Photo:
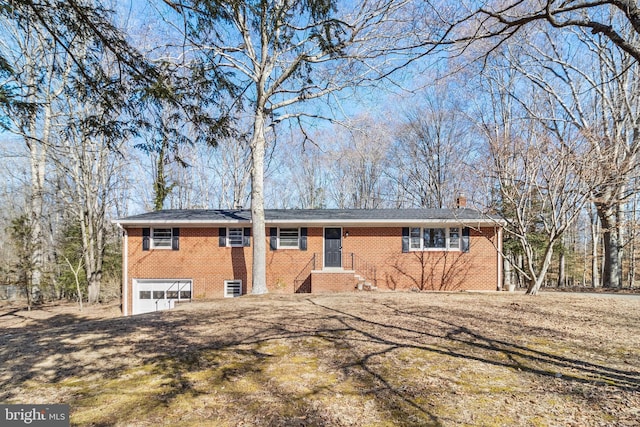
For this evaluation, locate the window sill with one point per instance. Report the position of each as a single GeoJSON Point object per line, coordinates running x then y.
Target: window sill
{"type": "Point", "coordinates": [435, 250]}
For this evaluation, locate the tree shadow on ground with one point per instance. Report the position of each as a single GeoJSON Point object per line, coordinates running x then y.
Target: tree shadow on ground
{"type": "Point", "coordinates": [480, 347]}
{"type": "Point", "coordinates": [259, 354]}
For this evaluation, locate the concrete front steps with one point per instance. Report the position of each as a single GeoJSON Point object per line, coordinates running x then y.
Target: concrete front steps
{"type": "Point", "coordinates": [363, 285]}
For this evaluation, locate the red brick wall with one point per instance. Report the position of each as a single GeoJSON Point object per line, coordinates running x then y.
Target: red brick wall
{"type": "Point", "coordinates": [199, 259]}
{"type": "Point", "coordinates": [208, 265]}
{"type": "Point", "coordinates": [332, 282]}
{"type": "Point", "coordinates": [426, 270]}
{"type": "Point", "coordinates": [284, 265]}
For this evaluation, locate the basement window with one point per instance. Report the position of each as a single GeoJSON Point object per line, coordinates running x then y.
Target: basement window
{"type": "Point", "coordinates": [232, 288]}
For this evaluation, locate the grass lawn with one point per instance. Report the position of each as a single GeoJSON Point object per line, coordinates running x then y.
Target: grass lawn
{"type": "Point", "coordinates": [358, 359]}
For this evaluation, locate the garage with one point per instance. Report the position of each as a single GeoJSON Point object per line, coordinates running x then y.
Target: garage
{"type": "Point", "coordinates": [159, 294]}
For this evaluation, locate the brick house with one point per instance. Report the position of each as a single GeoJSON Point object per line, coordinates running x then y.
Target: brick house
{"type": "Point", "coordinates": [176, 255]}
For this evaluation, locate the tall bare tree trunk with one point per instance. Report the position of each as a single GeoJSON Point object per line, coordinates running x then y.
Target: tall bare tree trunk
{"type": "Point", "coordinates": [508, 274]}
{"type": "Point", "coordinates": [37, 155]}
{"type": "Point", "coordinates": [595, 240]}
{"type": "Point", "coordinates": [93, 244]}
{"type": "Point", "coordinates": [632, 242]}
{"type": "Point", "coordinates": [562, 280]}
{"type": "Point", "coordinates": [259, 271]}
{"type": "Point", "coordinates": [38, 158]}
{"type": "Point", "coordinates": [621, 235]}
{"type": "Point", "coordinates": [611, 274]}
{"type": "Point", "coordinates": [538, 279]}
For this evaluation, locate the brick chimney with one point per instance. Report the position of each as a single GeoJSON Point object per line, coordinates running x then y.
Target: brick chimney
{"type": "Point", "coordinates": [461, 201]}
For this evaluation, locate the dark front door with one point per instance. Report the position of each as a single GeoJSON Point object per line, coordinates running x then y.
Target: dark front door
{"type": "Point", "coordinates": [333, 247]}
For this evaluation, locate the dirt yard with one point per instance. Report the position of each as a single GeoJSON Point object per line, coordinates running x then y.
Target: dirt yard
{"type": "Point", "coordinates": [361, 359]}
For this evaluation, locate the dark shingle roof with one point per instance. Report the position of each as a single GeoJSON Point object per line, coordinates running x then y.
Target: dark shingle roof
{"type": "Point", "coordinates": [371, 214]}
{"type": "Point", "coordinates": [191, 215]}
{"type": "Point", "coordinates": [302, 216]}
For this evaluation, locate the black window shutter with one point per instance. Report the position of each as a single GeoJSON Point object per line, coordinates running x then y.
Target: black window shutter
{"type": "Point", "coordinates": [175, 239]}
{"type": "Point", "coordinates": [273, 238]}
{"type": "Point", "coordinates": [246, 234]}
{"type": "Point", "coordinates": [222, 236]}
{"type": "Point", "coordinates": [303, 239]}
{"type": "Point", "coordinates": [405, 239]}
{"type": "Point", "coordinates": [146, 238]}
{"type": "Point", "coordinates": [465, 244]}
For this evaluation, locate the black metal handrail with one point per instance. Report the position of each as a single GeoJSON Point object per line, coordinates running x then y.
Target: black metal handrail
{"type": "Point", "coordinates": [361, 267]}
{"type": "Point", "coordinates": [350, 261]}
{"type": "Point", "coordinates": [304, 274]}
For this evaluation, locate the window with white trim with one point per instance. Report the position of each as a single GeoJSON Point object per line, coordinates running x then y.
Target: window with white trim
{"type": "Point", "coordinates": [416, 242]}
{"type": "Point", "coordinates": [454, 237]}
{"type": "Point", "coordinates": [434, 238]}
{"type": "Point", "coordinates": [288, 238]}
{"type": "Point", "coordinates": [235, 236]}
{"type": "Point", "coordinates": [161, 238]}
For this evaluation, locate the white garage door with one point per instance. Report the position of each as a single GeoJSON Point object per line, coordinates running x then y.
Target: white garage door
{"type": "Point", "coordinates": [154, 295]}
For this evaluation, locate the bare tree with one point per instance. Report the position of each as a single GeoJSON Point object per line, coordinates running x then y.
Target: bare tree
{"type": "Point", "coordinates": [36, 79]}
{"type": "Point", "coordinates": [214, 176]}
{"type": "Point", "coordinates": [633, 233]}
{"type": "Point", "coordinates": [312, 180]}
{"type": "Point", "coordinates": [307, 171]}
{"type": "Point", "coordinates": [608, 31]}
{"type": "Point", "coordinates": [429, 153]}
{"type": "Point", "coordinates": [497, 21]}
{"type": "Point", "coordinates": [595, 232]}
{"type": "Point", "coordinates": [536, 171]}
{"type": "Point", "coordinates": [595, 90]}
{"type": "Point", "coordinates": [91, 169]}
{"type": "Point", "coordinates": [234, 171]}
{"type": "Point", "coordinates": [358, 162]}
{"type": "Point", "coordinates": [76, 276]}
{"type": "Point", "coordinates": [228, 170]}
{"type": "Point", "coordinates": [542, 195]}
{"type": "Point", "coordinates": [88, 162]}
{"type": "Point", "coordinates": [279, 55]}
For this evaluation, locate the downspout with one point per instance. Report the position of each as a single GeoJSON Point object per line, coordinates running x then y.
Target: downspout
{"type": "Point", "coordinates": [125, 270]}
{"type": "Point", "coordinates": [500, 260]}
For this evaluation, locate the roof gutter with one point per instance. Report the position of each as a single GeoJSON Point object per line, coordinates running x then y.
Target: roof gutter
{"type": "Point", "coordinates": [319, 222]}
